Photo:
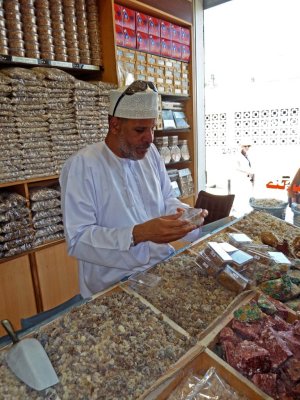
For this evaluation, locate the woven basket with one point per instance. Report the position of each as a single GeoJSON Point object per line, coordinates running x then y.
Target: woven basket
{"type": "Point", "coordinates": [278, 212]}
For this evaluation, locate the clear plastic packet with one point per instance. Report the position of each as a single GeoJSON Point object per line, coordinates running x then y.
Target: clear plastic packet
{"type": "Point", "coordinates": [48, 213]}
{"type": "Point", "coordinates": [232, 280]}
{"type": "Point", "coordinates": [41, 223]}
{"type": "Point", "coordinates": [10, 200]}
{"type": "Point", "coordinates": [145, 279]}
{"type": "Point", "coordinates": [53, 74]}
{"type": "Point", "coordinates": [16, 234]}
{"type": "Point", "coordinates": [210, 387]}
{"type": "Point", "coordinates": [260, 256]}
{"type": "Point", "coordinates": [17, 250]}
{"type": "Point", "coordinates": [14, 225]}
{"type": "Point", "coordinates": [42, 205]}
{"type": "Point", "coordinates": [44, 193]}
{"type": "Point", "coordinates": [207, 265]}
{"type": "Point", "coordinates": [279, 258]}
{"type": "Point", "coordinates": [48, 230]}
{"type": "Point", "coordinates": [49, 238]}
{"type": "Point", "coordinates": [12, 244]}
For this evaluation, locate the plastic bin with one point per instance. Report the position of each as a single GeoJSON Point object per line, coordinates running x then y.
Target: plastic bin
{"type": "Point", "coordinates": [296, 210]}
{"type": "Point", "coordinates": [278, 211]}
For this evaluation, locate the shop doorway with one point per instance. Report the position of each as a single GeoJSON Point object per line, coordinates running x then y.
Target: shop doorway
{"type": "Point", "coordinates": [252, 93]}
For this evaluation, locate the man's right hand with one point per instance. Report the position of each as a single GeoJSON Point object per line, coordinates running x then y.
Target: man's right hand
{"type": "Point", "coordinates": [164, 229]}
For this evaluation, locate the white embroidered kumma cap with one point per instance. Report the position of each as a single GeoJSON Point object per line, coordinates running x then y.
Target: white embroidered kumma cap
{"type": "Point", "coordinates": [139, 105]}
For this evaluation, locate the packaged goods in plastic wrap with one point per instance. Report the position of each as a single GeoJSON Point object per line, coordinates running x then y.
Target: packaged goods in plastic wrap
{"type": "Point", "coordinates": [45, 193]}
{"type": "Point", "coordinates": [211, 386]}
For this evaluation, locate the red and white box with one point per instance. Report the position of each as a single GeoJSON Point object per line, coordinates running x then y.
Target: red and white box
{"type": "Point", "coordinates": [185, 36]}
{"type": "Point", "coordinates": [176, 50]}
{"type": "Point", "coordinates": [166, 47]}
{"type": "Point", "coordinates": [154, 45]}
{"type": "Point", "coordinates": [176, 33]}
{"type": "Point", "coordinates": [142, 24]}
{"type": "Point", "coordinates": [165, 30]}
{"type": "Point", "coordinates": [118, 14]}
{"type": "Point", "coordinates": [142, 41]}
{"type": "Point", "coordinates": [128, 18]}
{"type": "Point", "coordinates": [119, 35]}
{"type": "Point", "coordinates": [129, 38]}
{"type": "Point", "coordinates": [154, 26]}
{"type": "Point", "coordinates": [185, 53]}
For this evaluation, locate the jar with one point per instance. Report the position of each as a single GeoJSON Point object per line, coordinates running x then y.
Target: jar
{"type": "Point", "coordinates": [163, 149]}
{"type": "Point", "coordinates": [175, 150]}
{"type": "Point", "coordinates": [184, 150]}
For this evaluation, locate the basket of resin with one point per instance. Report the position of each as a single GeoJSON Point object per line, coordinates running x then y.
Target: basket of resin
{"type": "Point", "coordinates": [271, 206]}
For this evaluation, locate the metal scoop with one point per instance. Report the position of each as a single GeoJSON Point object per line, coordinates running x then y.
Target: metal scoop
{"type": "Point", "coordinates": [29, 361]}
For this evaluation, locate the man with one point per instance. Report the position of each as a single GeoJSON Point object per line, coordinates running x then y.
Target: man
{"type": "Point", "coordinates": [117, 202]}
{"type": "Point", "coordinates": [242, 180]}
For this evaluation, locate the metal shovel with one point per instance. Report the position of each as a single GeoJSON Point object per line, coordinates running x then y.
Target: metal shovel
{"type": "Point", "coordinates": [29, 361]}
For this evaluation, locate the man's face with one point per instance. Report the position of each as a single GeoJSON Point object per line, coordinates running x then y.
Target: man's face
{"type": "Point", "coordinates": [133, 137]}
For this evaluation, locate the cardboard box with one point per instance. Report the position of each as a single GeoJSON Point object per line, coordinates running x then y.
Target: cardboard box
{"type": "Point", "coordinates": [140, 68]}
{"type": "Point", "coordinates": [176, 50]}
{"type": "Point", "coordinates": [176, 33]}
{"type": "Point", "coordinates": [129, 38]}
{"type": "Point", "coordinates": [142, 41]}
{"type": "Point", "coordinates": [119, 35]}
{"type": "Point", "coordinates": [118, 14]}
{"type": "Point", "coordinates": [141, 58]}
{"type": "Point", "coordinates": [154, 26]}
{"type": "Point", "coordinates": [142, 23]}
{"type": "Point", "coordinates": [166, 48]}
{"type": "Point", "coordinates": [151, 59]}
{"type": "Point", "coordinates": [161, 62]}
{"type": "Point", "coordinates": [128, 18]}
{"type": "Point", "coordinates": [165, 30]}
{"type": "Point", "coordinates": [154, 45]}
{"type": "Point", "coordinates": [120, 52]}
{"type": "Point", "coordinates": [185, 36]}
{"type": "Point", "coordinates": [185, 53]}
{"type": "Point", "coordinates": [184, 67]}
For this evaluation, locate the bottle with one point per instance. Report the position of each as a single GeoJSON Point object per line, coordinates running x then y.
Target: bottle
{"type": "Point", "coordinates": [184, 149]}
{"type": "Point", "coordinates": [175, 150]}
{"type": "Point", "coordinates": [162, 146]}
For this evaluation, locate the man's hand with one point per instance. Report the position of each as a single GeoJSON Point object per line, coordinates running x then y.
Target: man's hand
{"type": "Point", "coordinates": [163, 229]}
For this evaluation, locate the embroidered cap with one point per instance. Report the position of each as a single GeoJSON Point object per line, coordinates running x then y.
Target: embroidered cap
{"type": "Point", "coordinates": [136, 101]}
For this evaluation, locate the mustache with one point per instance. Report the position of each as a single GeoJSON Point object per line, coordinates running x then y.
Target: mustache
{"type": "Point", "coordinates": [144, 147]}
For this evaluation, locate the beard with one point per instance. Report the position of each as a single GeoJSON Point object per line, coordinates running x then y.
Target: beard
{"type": "Point", "coordinates": [132, 152]}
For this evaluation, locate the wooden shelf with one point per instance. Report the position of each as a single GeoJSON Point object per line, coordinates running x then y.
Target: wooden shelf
{"type": "Point", "coordinates": [31, 180]}
{"type": "Point", "coordinates": [47, 63]}
{"type": "Point", "coordinates": [33, 250]}
{"type": "Point", "coordinates": [165, 131]}
{"type": "Point", "coordinates": [178, 163]}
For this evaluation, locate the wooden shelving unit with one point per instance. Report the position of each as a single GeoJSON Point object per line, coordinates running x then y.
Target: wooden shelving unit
{"type": "Point", "coordinates": [46, 276]}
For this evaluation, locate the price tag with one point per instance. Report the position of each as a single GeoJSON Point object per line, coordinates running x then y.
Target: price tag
{"type": "Point", "coordinates": [42, 61]}
{"type": "Point", "coordinates": [4, 57]}
{"type": "Point", "coordinates": [78, 66]}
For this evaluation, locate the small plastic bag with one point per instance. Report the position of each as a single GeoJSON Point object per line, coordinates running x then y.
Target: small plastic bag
{"type": "Point", "coordinates": [210, 387]}
{"type": "Point", "coordinates": [193, 215]}
{"type": "Point", "coordinates": [145, 279]}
